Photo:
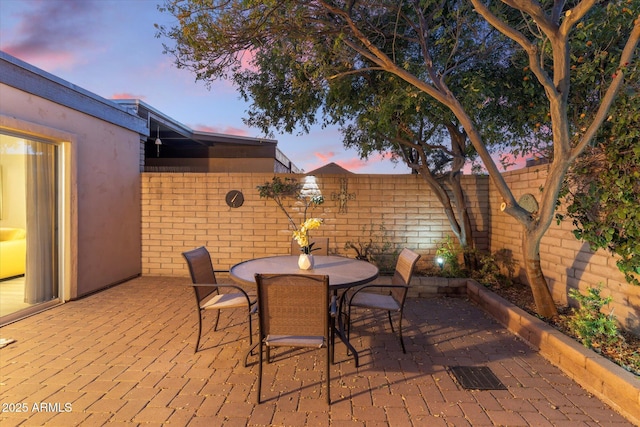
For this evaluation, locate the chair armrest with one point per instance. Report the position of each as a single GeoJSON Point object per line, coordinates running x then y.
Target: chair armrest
{"type": "Point", "coordinates": [226, 285]}
{"type": "Point", "coordinates": [378, 286]}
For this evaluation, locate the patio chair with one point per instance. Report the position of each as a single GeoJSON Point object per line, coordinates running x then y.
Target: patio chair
{"type": "Point", "coordinates": [207, 291]}
{"type": "Point", "coordinates": [390, 297]}
{"type": "Point", "coordinates": [294, 311]}
{"type": "Point", "coordinates": [319, 243]}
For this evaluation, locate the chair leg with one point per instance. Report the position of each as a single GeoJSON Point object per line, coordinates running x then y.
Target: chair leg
{"type": "Point", "coordinates": [347, 322]}
{"type": "Point", "coordinates": [390, 321]}
{"type": "Point", "coordinates": [332, 339]}
{"type": "Point", "coordinates": [199, 331]}
{"type": "Point", "coordinates": [259, 371]}
{"type": "Point", "coordinates": [328, 375]}
{"type": "Point", "coordinates": [215, 325]}
{"type": "Point", "coordinates": [249, 353]}
{"type": "Point", "coordinates": [404, 350]}
{"type": "Point", "coordinates": [250, 328]}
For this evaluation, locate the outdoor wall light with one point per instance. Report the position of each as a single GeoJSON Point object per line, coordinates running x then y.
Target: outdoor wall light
{"type": "Point", "coordinates": [158, 143]}
{"type": "Point", "coordinates": [440, 262]}
{"type": "Point", "coordinates": [310, 187]}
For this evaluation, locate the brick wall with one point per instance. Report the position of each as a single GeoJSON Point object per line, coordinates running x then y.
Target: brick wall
{"type": "Point", "coordinates": [566, 262]}
{"type": "Point", "coordinates": [181, 211]}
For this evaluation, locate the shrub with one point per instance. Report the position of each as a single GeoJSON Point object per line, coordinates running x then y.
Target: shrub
{"type": "Point", "coordinates": [375, 248]}
{"type": "Point", "coordinates": [588, 322]}
{"type": "Point", "coordinates": [450, 253]}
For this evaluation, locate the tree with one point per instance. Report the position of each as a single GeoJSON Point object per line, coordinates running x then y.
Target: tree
{"type": "Point", "coordinates": [211, 40]}
{"type": "Point", "coordinates": [380, 112]}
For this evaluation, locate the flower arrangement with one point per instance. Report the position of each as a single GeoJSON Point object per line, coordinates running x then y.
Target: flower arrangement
{"type": "Point", "coordinates": [301, 235]}
{"type": "Point", "coordinates": [278, 190]}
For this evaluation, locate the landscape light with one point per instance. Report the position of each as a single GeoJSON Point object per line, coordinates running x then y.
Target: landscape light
{"type": "Point", "coordinates": [440, 262]}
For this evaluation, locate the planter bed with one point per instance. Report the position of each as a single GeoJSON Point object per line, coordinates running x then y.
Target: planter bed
{"type": "Point", "coordinates": [609, 382]}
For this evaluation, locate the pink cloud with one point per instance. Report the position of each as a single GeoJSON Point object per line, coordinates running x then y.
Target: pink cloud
{"type": "Point", "coordinates": [512, 163]}
{"type": "Point", "coordinates": [126, 95]}
{"type": "Point", "coordinates": [325, 157]}
{"type": "Point", "coordinates": [47, 61]}
{"type": "Point", "coordinates": [357, 163]}
{"type": "Point", "coordinates": [353, 164]}
{"type": "Point", "coordinates": [51, 33]}
{"type": "Point", "coordinates": [229, 130]}
{"type": "Point", "coordinates": [246, 59]}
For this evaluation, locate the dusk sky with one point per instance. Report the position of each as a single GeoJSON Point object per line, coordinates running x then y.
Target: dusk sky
{"type": "Point", "coordinates": [109, 47]}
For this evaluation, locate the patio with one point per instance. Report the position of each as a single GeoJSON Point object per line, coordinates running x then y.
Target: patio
{"type": "Point", "coordinates": [125, 356]}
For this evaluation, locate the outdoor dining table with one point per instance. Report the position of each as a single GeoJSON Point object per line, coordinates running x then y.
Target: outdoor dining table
{"type": "Point", "coordinates": [344, 273]}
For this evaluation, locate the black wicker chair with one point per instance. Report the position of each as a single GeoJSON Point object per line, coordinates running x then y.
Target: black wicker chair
{"type": "Point", "coordinates": [389, 297]}
{"type": "Point", "coordinates": [294, 311]}
{"type": "Point", "coordinates": [207, 291]}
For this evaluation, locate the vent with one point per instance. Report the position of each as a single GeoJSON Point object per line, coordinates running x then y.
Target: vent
{"type": "Point", "coordinates": [476, 378]}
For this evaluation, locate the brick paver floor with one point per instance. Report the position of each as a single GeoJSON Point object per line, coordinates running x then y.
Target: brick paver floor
{"type": "Point", "coordinates": [125, 356]}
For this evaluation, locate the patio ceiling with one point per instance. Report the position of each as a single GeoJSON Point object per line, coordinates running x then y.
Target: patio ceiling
{"type": "Point", "coordinates": [174, 134]}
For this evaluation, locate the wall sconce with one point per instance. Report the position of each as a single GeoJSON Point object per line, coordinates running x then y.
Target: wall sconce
{"type": "Point", "coordinates": [310, 187]}
{"type": "Point", "coordinates": [158, 142]}
{"type": "Point", "coordinates": [440, 262]}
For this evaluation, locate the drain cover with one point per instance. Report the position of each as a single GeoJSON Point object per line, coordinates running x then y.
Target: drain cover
{"type": "Point", "coordinates": [476, 378]}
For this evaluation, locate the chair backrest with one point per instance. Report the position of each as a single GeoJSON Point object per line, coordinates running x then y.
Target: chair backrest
{"type": "Point", "coordinates": [405, 266]}
{"type": "Point", "coordinates": [201, 270]}
{"type": "Point", "coordinates": [293, 304]}
{"type": "Point", "coordinates": [320, 246]}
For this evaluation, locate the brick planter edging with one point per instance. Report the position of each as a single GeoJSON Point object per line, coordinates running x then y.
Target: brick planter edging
{"type": "Point", "coordinates": [609, 382]}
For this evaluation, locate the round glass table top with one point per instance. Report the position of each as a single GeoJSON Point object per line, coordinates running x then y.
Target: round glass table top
{"type": "Point", "coordinates": [343, 272]}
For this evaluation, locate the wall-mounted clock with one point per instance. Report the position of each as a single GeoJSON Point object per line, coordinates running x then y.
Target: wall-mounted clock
{"type": "Point", "coordinates": [234, 198]}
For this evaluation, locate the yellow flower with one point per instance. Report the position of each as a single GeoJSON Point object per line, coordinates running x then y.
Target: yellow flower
{"type": "Point", "coordinates": [312, 223]}
{"type": "Point", "coordinates": [301, 236]}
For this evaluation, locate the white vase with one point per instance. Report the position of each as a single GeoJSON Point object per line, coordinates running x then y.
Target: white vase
{"type": "Point", "coordinates": [305, 261]}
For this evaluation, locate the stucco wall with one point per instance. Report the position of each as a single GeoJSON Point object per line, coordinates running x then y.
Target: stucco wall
{"type": "Point", "coordinates": [181, 211]}
{"type": "Point", "coordinates": [102, 187]}
{"type": "Point", "coordinates": [566, 262]}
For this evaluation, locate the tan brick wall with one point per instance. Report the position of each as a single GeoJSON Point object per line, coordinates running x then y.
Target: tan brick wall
{"type": "Point", "coordinates": [181, 211]}
{"type": "Point", "coordinates": [566, 262]}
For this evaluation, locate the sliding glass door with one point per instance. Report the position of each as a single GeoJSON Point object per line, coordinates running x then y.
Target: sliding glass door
{"type": "Point", "coordinates": [29, 223]}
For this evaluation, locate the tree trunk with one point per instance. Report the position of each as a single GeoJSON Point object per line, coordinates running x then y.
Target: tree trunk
{"type": "Point", "coordinates": [458, 218]}
{"type": "Point", "coordinates": [545, 306]}
{"type": "Point", "coordinates": [466, 230]}
{"type": "Point", "coordinates": [458, 149]}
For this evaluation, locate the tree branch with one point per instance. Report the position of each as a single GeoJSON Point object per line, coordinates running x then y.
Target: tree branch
{"type": "Point", "coordinates": [518, 37]}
